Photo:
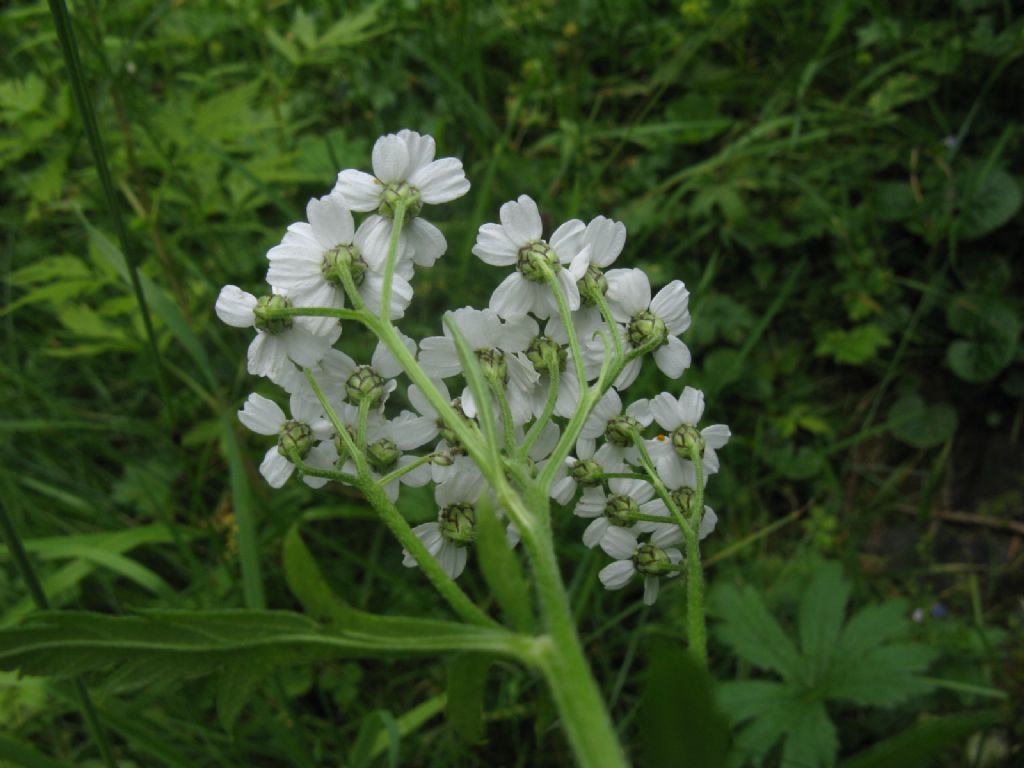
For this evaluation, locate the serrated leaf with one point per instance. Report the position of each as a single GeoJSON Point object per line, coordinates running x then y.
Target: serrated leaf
{"type": "Point", "coordinates": [467, 679]}
{"type": "Point", "coordinates": [751, 631]}
{"type": "Point", "coordinates": [855, 346]}
{"type": "Point", "coordinates": [812, 741]}
{"type": "Point", "coordinates": [820, 618]}
{"type": "Point", "coordinates": [883, 676]}
{"type": "Point", "coordinates": [501, 567]}
{"type": "Point", "coordinates": [920, 424]}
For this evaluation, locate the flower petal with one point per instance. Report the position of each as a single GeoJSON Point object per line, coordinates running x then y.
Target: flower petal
{"type": "Point", "coordinates": [521, 220]}
{"type": "Point", "coordinates": [672, 357]}
{"type": "Point", "coordinates": [441, 181]}
{"type": "Point", "coordinates": [390, 158]}
{"type": "Point", "coordinates": [494, 247]}
{"type": "Point", "coordinates": [331, 220]}
{"type": "Point", "coordinates": [275, 468]}
{"type": "Point", "coordinates": [617, 575]}
{"type": "Point", "coordinates": [235, 307]}
{"type": "Point", "coordinates": [361, 191]}
{"type": "Point", "coordinates": [262, 415]}
{"type": "Point", "coordinates": [427, 242]}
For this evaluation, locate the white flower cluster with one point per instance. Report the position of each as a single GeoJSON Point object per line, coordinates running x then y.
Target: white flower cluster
{"type": "Point", "coordinates": [561, 324]}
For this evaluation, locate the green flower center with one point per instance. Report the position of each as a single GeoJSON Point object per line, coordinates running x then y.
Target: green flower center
{"type": "Point", "coordinates": [652, 560]}
{"type": "Point", "coordinates": [684, 499]}
{"type": "Point", "coordinates": [382, 454]}
{"type": "Point", "coordinates": [686, 439]}
{"type": "Point", "coordinates": [364, 384]}
{"type": "Point", "coordinates": [621, 510]}
{"type": "Point", "coordinates": [493, 364]}
{"type": "Point", "coordinates": [266, 305]}
{"type": "Point", "coordinates": [533, 256]}
{"type": "Point", "coordinates": [620, 430]}
{"type": "Point", "coordinates": [396, 192]}
{"type": "Point", "coordinates": [294, 436]}
{"type": "Point", "coordinates": [592, 284]}
{"type": "Point", "coordinates": [587, 473]}
{"type": "Point", "coordinates": [341, 259]}
{"type": "Point", "coordinates": [457, 523]}
{"type": "Point", "coordinates": [542, 350]}
{"type": "Point", "coordinates": [646, 328]}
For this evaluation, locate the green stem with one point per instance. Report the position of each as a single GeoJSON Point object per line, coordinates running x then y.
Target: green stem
{"type": "Point", "coordinates": [506, 416]}
{"type": "Point", "coordinates": [406, 469]}
{"type": "Point", "coordinates": [35, 589]}
{"type": "Point", "coordinates": [659, 487]}
{"type": "Point", "coordinates": [582, 708]}
{"type": "Point", "coordinates": [389, 265]}
{"type": "Point", "coordinates": [606, 312]}
{"type": "Point", "coordinates": [306, 469]}
{"type": "Point", "coordinates": [695, 620]}
{"type": "Point", "coordinates": [570, 330]}
{"type": "Point", "coordinates": [364, 417]}
{"type": "Point", "coordinates": [549, 407]}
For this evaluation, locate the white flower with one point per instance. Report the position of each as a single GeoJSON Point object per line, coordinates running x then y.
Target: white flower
{"type": "Point", "coordinates": [307, 264]}
{"type": "Point", "coordinates": [496, 344]}
{"type": "Point", "coordinates": [649, 561]}
{"type": "Point", "coordinates": [387, 441]}
{"type": "Point", "coordinates": [607, 419]}
{"type": "Point", "coordinates": [679, 417]}
{"type": "Point", "coordinates": [307, 425]}
{"type": "Point", "coordinates": [404, 169]}
{"type": "Point", "coordinates": [517, 241]}
{"type": "Point", "coordinates": [648, 320]}
{"type": "Point", "coordinates": [277, 341]}
{"type": "Point", "coordinates": [374, 381]}
{"type": "Point", "coordinates": [586, 469]}
{"type": "Point", "coordinates": [613, 515]}
{"type": "Point", "coordinates": [447, 539]}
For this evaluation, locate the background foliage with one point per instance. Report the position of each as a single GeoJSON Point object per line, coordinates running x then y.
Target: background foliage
{"type": "Point", "coordinates": [837, 183]}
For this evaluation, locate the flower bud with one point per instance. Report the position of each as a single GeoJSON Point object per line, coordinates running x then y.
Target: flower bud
{"type": "Point", "coordinates": [364, 384]}
{"type": "Point", "coordinates": [400, 191]}
{"type": "Point", "coordinates": [531, 258]}
{"type": "Point", "coordinates": [652, 560]}
{"type": "Point", "coordinates": [457, 522]}
{"type": "Point", "coordinates": [382, 454]}
{"type": "Point", "coordinates": [492, 362]}
{"type": "Point", "coordinates": [448, 434]}
{"type": "Point", "coordinates": [592, 284]}
{"type": "Point", "coordinates": [685, 499]}
{"type": "Point", "coordinates": [646, 328]}
{"type": "Point", "coordinates": [687, 439]}
{"type": "Point", "coordinates": [620, 430]}
{"type": "Point", "coordinates": [621, 510]}
{"type": "Point", "coordinates": [542, 349]}
{"type": "Point", "coordinates": [338, 260]}
{"type": "Point", "coordinates": [294, 436]}
{"type": "Point", "coordinates": [442, 458]}
{"type": "Point", "coordinates": [587, 473]}
{"type": "Point", "coordinates": [266, 305]}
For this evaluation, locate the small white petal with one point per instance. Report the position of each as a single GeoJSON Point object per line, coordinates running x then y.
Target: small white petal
{"type": "Point", "coordinates": [262, 415]}
{"type": "Point", "coordinates": [426, 241]}
{"type": "Point", "coordinates": [629, 290]}
{"type": "Point", "coordinates": [617, 575]}
{"type": "Point", "coordinates": [421, 148]}
{"type": "Point", "coordinates": [707, 522]}
{"type": "Point", "coordinates": [716, 435]}
{"type": "Point", "coordinates": [441, 181]}
{"type": "Point", "coordinates": [595, 532]}
{"type": "Point", "coordinates": [390, 158]}
{"type": "Point", "coordinates": [651, 585]}
{"type": "Point", "coordinates": [567, 240]}
{"type": "Point", "coordinates": [275, 468]}
{"type": "Point", "coordinates": [691, 406]}
{"type": "Point", "coordinates": [618, 542]}
{"type": "Point", "coordinates": [494, 247]}
{"type": "Point", "coordinates": [521, 220]}
{"type": "Point", "coordinates": [671, 305]}
{"type": "Point", "coordinates": [331, 220]}
{"type": "Point", "coordinates": [235, 307]}
{"type": "Point", "coordinates": [361, 191]}
{"type": "Point", "coordinates": [606, 238]}
{"type": "Point", "coordinates": [513, 298]}
{"type": "Point", "coordinates": [672, 357]}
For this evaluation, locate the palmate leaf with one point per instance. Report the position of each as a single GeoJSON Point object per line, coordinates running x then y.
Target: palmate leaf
{"type": "Point", "coordinates": [855, 662]}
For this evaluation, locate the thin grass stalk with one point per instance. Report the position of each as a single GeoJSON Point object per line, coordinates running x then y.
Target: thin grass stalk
{"type": "Point", "coordinates": [69, 49]}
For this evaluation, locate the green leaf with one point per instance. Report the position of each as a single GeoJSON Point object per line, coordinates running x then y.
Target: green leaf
{"type": "Point", "coordinates": [924, 741]}
{"type": "Point", "coordinates": [676, 684]}
{"type": "Point", "coordinates": [237, 683]}
{"type": "Point", "coordinates": [991, 329]}
{"type": "Point", "coordinates": [921, 425]}
{"type": "Point", "coordinates": [812, 741]}
{"type": "Point", "coordinates": [883, 676]}
{"type": "Point", "coordinates": [14, 754]}
{"type": "Point", "coordinates": [751, 631]}
{"type": "Point", "coordinates": [855, 346]}
{"type": "Point", "coordinates": [992, 203]}
{"type": "Point", "coordinates": [501, 568]}
{"type": "Point", "coordinates": [467, 680]}
{"type": "Point", "coordinates": [362, 753]}
{"type": "Point", "coordinates": [820, 618]}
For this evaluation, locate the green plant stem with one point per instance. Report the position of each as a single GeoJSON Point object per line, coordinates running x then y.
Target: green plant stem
{"type": "Point", "coordinates": [35, 590]}
{"type": "Point", "coordinates": [364, 418]}
{"type": "Point", "coordinates": [508, 428]}
{"type": "Point", "coordinates": [581, 706]}
{"type": "Point", "coordinates": [389, 265]}
{"type": "Point", "coordinates": [549, 407]}
{"type": "Point", "coordinates": [419, 462]}
{"type": "Point", "coordinates": [695, 619]}
{"type": "Point", "coordinates": [570, 330]}
{"type": "Point", "coordinates": [659, 487]}
{"type": "Point", "coordinates": [69, 50]}
{"type": "Point", "coordinates": [465, 608]}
